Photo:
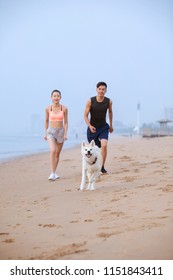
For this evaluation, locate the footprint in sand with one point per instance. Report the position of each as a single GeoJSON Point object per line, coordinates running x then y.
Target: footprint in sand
{"type": "Point", "coordinates": [114, 199]}
{"type": "Point", "coordinates": [159, 172]}
{"type": "Point", "coordinates": [74, 222]}
{"type": "Point", "coordinates": [35, 248]}
{"type": "Point", "coordinates": [48, 225]}
{"type": "Point", "coordinates": [61, 252]}
{"type": "Point", "coordinates": [169, 209]}
{"type": "Point", "coordinates": [157, 161]}
{"type": "Point", "coordinates": [117, 213]}
{"type": "Point", "coordinates": [124, 170]}
{"type": "Point", "coordinates": [168, 188]}
{"type": "Point", "coordinates": [129, 179]}
{"type": "Point", "coordinates": [125, 158]}
{"type": "Point", "coordinates": [136, 170]}
{"type": "Point", "coordinates": [150, 225]}
{"type": "Point", "coordinates": [104, 235]}
{"type": "Point", "coordinates": [88, 220]}
{"type": "Point", "coordinates": [107, 234]}
{"type": "Point", "coordinates": [105, 210]}
{"type": "Point", "coordinates": [10, 240]}
{"type": "Point", "coordinates": [17, 225]}
{"type": "Point", "coordinates": [35, 202]}
{"type": "Point", "coordinates": [163, 217]}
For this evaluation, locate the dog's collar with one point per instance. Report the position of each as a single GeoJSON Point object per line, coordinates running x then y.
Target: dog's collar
{"type": "Point", "coordinates": [93, 161]}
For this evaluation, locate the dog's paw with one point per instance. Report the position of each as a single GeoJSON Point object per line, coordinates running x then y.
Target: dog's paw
{"type": "Point", "coordinates": [82, 188]}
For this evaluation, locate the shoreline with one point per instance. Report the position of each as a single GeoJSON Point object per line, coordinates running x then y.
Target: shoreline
{"type": "Point", "coordinates": [21, 146]}
{"type": "Point", "coordinates": [29, 154]}
{"type": "Point", "coordinates": [129, 215]}
{"type": "Point", "coordinates": [68, 145]}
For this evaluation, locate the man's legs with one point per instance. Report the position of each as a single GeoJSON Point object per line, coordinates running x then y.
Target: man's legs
{"type": "Point", "coordinates": [104, 143]}
{"type": "Point", "coordinates": [101, 140]}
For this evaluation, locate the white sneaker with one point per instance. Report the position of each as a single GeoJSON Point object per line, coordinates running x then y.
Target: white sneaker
{"type": "Point", "coordinates": [52, 177]}
{"type": "Point", "coordinates": [56, 176]}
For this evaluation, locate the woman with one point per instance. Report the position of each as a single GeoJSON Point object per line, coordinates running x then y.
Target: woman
{"type": "Point", "coordinates": [56, 125]}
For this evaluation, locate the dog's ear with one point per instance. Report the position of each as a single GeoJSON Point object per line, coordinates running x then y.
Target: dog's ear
{"type": "Point", "coordinates": [92, 143]}
{"type": "Point", "coordinates": [83, 144]}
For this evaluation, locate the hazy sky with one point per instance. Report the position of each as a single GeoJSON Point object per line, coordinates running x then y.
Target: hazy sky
{"type": "Point", "coordinates": [70, 45]}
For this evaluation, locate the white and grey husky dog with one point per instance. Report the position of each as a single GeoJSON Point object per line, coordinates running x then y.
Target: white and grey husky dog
{"type": "Point", "coordinates": [91, 164]}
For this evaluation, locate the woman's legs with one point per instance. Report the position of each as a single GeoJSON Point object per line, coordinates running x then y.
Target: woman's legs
{"type": "Point", "coordinates": [55, 150]}
{"type": "Point", "coordinates": [57, 153]}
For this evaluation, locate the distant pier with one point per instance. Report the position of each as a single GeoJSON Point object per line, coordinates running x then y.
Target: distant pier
{"type": "Point", "coordinates": [163, 130]}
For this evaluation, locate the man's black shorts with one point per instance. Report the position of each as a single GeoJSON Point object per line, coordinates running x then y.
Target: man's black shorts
{"type": "Point", "coordinates": [101, 133]}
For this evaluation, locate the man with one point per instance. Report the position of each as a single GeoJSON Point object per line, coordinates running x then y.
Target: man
{"type": "Point", "coordinates": [98, 129]}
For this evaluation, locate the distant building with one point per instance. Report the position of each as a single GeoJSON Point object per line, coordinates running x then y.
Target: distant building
{"type": "Point", "coordinates": [164, 126]}
{"type": "Point", "coordinates": [163, 130]}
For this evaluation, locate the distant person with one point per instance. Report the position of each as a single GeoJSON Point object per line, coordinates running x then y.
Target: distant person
{"type": "Point", "coordinates": [56, 125]}
{"type": "Point", "coordinates": [98, 129]}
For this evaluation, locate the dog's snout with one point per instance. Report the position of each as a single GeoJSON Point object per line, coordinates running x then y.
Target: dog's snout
{"type": "Point", "coordinates": [88, 152]}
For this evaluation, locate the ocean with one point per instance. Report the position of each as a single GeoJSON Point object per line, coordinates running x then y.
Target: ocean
{"type": "Point", "coordinates": [12, 147]}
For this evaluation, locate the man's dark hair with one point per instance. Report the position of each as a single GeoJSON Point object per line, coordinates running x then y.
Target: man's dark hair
{"type": "Point", "coordinates": [101, 84]}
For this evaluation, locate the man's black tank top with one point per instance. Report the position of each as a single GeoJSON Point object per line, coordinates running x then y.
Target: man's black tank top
{"type": "Point", "coordinates": [98, 111]}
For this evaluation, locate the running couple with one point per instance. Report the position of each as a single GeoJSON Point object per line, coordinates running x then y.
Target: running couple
{"type": "Point", "coordinates": [56, 125]}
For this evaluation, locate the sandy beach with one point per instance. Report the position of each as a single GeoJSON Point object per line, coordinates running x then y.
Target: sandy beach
{"type": "Point", "coordinates": [129, 215]}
